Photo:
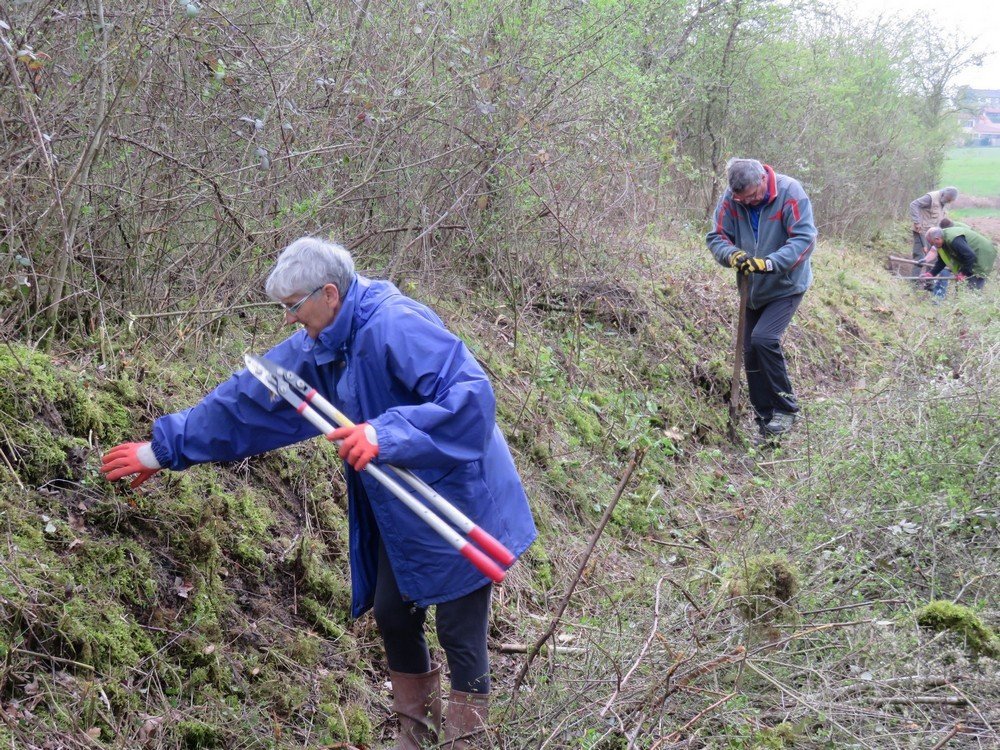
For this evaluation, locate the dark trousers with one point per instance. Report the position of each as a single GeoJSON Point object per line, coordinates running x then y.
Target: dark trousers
{"type": "Point", "coordinates": [462, 626]}
{"type": "Point", "coordinates": [919, 248]}
{"type": "Point", "coordinates": [767, 376]}
{"type": "Point", "coordinates": [976, 282]}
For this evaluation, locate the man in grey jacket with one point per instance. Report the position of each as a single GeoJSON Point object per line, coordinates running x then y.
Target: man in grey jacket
{"type": "Point", "coordinates": [763, 227]}
{"type": "Point", "coordinates": [926, 212]}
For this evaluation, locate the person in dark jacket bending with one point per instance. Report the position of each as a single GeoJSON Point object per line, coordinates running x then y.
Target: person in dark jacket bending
{"type": "Point", "coordinates": [968, 254]}
{"type": "Point", "coordinates": [763, 227]}
{"type": "Point", "coordinates": [421, 402]}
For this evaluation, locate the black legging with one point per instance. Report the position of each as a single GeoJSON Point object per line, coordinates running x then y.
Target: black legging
{"type": "Point", "coordinates": [462, 626]}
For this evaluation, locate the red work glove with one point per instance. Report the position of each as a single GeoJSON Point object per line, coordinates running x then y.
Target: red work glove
{"type": "Point", "coordinates": [961, 276]}
{"type": "Point", "coordinates": [127, 459]}
{"type": "Point", "coordinates": [359, 444]}
{"type": "Point", "coordinates": [927, 275]}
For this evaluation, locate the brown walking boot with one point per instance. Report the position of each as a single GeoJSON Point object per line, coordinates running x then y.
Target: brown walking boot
{"type": "Point", "coordinates": [416, 699]}
{"type": "Point", "coordinates": [465, 728]}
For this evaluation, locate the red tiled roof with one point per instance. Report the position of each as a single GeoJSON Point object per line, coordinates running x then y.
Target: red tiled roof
{"type": "Point", "coordinates": [984, 126]}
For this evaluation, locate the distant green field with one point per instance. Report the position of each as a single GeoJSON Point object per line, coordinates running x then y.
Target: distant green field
{"type": "Point", "coordinates": [974, 171]}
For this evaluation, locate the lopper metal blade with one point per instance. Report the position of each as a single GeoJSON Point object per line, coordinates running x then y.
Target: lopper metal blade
{"type": "Point", "coordinates": [263, 370]}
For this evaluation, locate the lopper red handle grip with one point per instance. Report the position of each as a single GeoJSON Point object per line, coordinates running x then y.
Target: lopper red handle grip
{"type": "Point", "coordinates": [483, 564]}
{"type": "Point", "coordinates": [491, 546]}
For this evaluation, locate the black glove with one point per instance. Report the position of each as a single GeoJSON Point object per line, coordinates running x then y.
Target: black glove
{"type": "Point", "coordinates": [750, 265]}
{"type": "Point", "coordinates": [736, 258]}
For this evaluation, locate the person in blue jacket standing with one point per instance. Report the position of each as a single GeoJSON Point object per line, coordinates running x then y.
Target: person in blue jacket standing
{"type": "Point", "coordinates": [763, 227]}
{"type": "Point", "coordinates": [420, 401]}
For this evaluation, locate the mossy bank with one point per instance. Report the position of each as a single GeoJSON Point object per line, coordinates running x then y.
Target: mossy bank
{"type": "Point", "coordinates": [211, 609]}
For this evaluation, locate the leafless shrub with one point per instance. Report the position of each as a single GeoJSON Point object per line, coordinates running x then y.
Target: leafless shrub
{"type": "Point", "coordinates": [156, 157]}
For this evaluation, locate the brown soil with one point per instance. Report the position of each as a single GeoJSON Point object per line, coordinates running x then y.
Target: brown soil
{"type": "Point", "coordinates": [976, 201]}
{"type": "Point", "coordinates": [987, 225]}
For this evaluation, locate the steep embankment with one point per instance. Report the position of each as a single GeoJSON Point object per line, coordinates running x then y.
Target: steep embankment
{"type": "Point", "coordinates": [735, 600]}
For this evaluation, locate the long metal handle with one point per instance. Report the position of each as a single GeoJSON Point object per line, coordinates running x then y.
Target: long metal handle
{"type": "Point", "coordinates": [931, 278]}
{"type": "Point", "coordinates": [493, 547]}
{"type": "Point", "coordinates": [483, 564]}
{"type": "Point", "coordinates": [742, 283]}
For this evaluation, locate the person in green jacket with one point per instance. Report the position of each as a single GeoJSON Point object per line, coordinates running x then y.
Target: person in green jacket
{"type": "Point", "coordinates": [939, 288]}
{"type": "Point", "coordinates": [966, 252]}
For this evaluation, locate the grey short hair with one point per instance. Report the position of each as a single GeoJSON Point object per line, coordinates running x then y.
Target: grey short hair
{"type": "Point", "coordinates": [309, 263]}
{"type": "Point", "coordinates": [743, 174]}
{"type": "Point", "coordinates": [934, 233]}
{"type": "Point", "coordinates": [950, 192]}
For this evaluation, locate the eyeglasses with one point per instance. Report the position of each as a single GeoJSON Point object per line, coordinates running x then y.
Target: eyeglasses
{"type": "Point", "coordinates": [293, 309]}
{"type": "Point", "coordinates": [751, 196]}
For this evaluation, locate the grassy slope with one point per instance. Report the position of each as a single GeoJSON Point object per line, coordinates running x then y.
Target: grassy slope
{"type": "Point", "coordinates": [211, 610]}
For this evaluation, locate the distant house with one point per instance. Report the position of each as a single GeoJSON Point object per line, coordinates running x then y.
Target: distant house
{"type": "Point", "coordinates": [985, 130]}
{"type": "Point", "coordinates": [980, 116]}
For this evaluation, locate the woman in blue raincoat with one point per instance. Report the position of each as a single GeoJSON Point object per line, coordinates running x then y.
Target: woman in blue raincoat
{"type": "Point", "coordinates": [420, 401]}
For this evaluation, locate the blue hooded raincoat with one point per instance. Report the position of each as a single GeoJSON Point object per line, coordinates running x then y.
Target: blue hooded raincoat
{"type": "Point", "coordinates": [389, 361]}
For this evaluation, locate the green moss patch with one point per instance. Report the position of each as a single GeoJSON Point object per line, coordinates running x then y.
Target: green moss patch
{"type": "Point", "coordinates": [763, 585]}
{"type": "Point", "coordinates": [963, 622]}
{"type": "Point", "coordinates": [49, 415]}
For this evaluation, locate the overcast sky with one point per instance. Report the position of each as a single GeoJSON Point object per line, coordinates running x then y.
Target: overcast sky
{"type": "Point", "coordinates": [967, 18]}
